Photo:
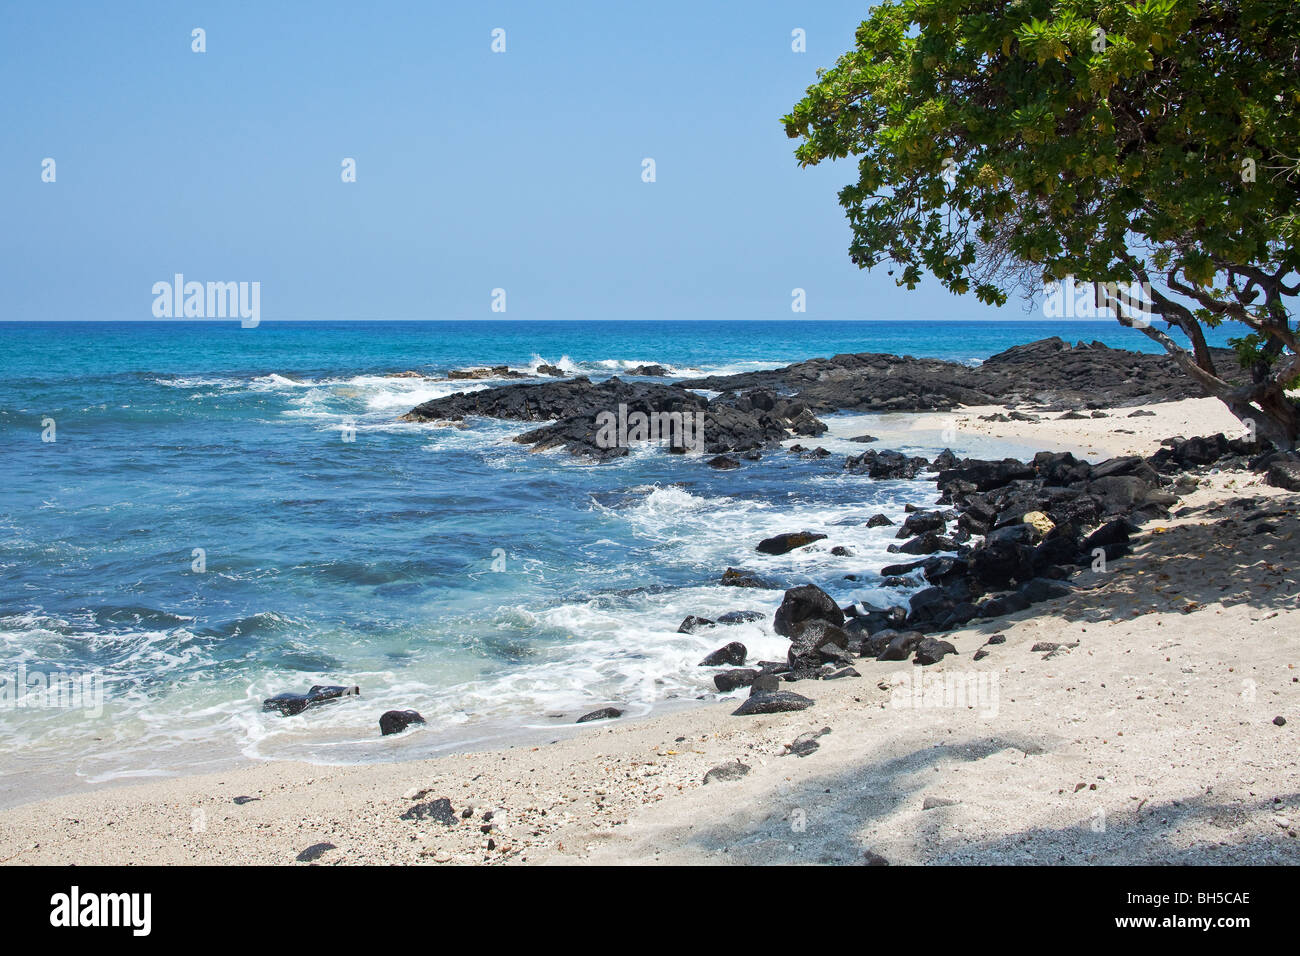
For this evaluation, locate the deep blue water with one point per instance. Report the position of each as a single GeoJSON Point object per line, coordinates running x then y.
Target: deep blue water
{"type": "Point", "coordinates": [445, 569]}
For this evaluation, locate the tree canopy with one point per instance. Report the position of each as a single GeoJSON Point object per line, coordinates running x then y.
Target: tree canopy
{"type": "Point", "coordinates": [1001, 146]}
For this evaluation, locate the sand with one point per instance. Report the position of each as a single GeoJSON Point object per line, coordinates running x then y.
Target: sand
{"type": "Point", "coordinates": [1147, 736]}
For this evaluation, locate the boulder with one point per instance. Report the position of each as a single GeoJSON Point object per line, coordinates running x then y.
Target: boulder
{"type": "Point", "coordinates": [1040, 522]}
{"type": "Point", "coordinates": [885, 465]}
{"type": "Point", "coordinates": [817, 642]}
{"type": "Point", "coordinates": [806, 602]}
{"type": "Point", "coordinates": [1284, 473]}
{"type": "Point", "coordinates": [1119, 494]}
{"type": "Point", "coordinates": [927, 543]}
{"type": "Point", "coordinates": [922, 521]}
{"type": "Point", "coordinates": [986, 475]}
{"type": "Point", "coordinates": [733, 653]}
{"type": "Point", "coordinates": [1116, 531]}
{"type": "Point", "coordinates": [932, 650]}
{"type": "Point", "coordinates": [1008, 603]}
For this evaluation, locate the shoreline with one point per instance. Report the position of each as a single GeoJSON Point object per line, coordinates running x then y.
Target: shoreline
{"type": "Point", "coordinates": [632, 791]}
{"type": "Point", "coordinates": [918, 431]}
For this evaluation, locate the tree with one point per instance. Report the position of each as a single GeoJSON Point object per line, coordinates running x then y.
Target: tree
{"type": "Point", "coordinates": [1151, 150]}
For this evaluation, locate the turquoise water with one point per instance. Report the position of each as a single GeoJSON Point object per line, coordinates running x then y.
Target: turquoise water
{"type": "Point", "coordinates": [449, 570]}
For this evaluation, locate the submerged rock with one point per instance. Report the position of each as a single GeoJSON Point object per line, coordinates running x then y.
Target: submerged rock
{"type": "Point", "coordinates": [788, 541]}
{"type": "Point", "coordinates": [741, 578]}
{"type": "Point", "coordinates": [690, 624]}
{"type": "Point", "coordinates": [291, 704]}
{"type": "Point", "coordinates": [740, 617]}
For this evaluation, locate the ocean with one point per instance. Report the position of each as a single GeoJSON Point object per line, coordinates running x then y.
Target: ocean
{"type": "Point", "coordinates": [198, 535]}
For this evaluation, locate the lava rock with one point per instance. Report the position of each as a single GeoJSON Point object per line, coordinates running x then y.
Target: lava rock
{"type": "Point", "coordinates": [605, 713]}
{"type": "Point", "coordinates": [733, 770]}
{"type": "Point", "coordinates": [817, 642]}
{"type": "Point", "coordinates": [842, 672]}
{"type": "Point", "coordinates": [314, 852]}
{"type": "Point", "coordinates": [932, 650]}
{"type": "Point", "coordinates": [733, 653]}
{"type": "Point", "coordinates": [439, 810]}
{"type": "Point", "coordinates": [291, 704]}
{"type": "Point", "coordinates": [740, 617]}
{"type": "Point", "coordinates": [1043, 589]}
{"type": "Point", "coordinates": [806, 602]}
{"type": "Point", "coordinates": [690, 624]}
{"type": "Point", "coordinates": [805, 744]}
{"type": "Point", "coordinates": [922, 521]}
{"type": "Point", "coordinates": [788, 541]}
{"type": "Point", "coordinates": [395, 721]}
{"type": "Point", "coordinates": [1284, 473]}
{"type": "Point", "coordinates": [901, 645]}
{"type": "Point", "coordinates": [885, 465]}
{"type": "Point", "coordinates": [740, 578]}
{"type": "Point", "coordinates": [777, 702]}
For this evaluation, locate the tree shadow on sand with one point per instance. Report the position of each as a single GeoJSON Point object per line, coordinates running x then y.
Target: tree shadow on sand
{"type": "Point", "coordinates": [829, 820]}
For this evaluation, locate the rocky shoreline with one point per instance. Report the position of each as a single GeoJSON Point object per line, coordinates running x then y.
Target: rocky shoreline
{"type": "Point", "coordinates": [755, 411]}
{"type": "Point", "coordinates": [1005, 535]}
{"type": "Point", "coordinates": [1008, 533]}
{"type": "Point", "coordinates": [1012, 534]}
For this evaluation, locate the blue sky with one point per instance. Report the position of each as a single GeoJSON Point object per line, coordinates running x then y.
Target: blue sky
{"type": "Point", "coordinates": [475, 170]}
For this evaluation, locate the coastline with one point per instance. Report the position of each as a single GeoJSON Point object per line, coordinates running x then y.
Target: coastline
{"type": "Point", "coordinates": [1150, 707]}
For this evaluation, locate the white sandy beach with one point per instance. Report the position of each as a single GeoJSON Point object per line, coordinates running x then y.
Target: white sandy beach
{"type": "Point", "coordinates": [1147, 736]}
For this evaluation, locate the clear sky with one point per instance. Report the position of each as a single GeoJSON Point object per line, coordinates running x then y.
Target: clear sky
{"type": "Point", "coordinates": [475, 170]}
